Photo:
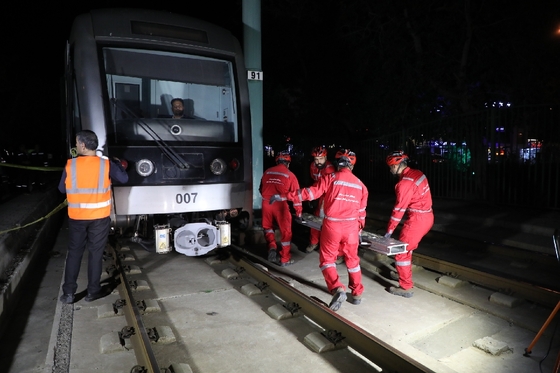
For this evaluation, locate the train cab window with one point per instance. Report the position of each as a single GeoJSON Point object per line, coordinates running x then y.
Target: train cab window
{"type": "Point", "coordinates": [141, 84]}
{"type": "Point", "coordinates": [129, 97]}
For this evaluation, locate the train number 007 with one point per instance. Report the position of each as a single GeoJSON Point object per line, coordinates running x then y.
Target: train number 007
{"type": "Point", "coordinates": [186, 198]}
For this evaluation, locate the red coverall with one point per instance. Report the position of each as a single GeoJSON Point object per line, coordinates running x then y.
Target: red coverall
{"type": "Point", "coordinates": [414, 198]}
{"type": "Point", "coordinates": [345, 201]}
{"type": "Point", "coordinates": [278, 180]}
{"type": "Point", "coordinates": [316, 174]}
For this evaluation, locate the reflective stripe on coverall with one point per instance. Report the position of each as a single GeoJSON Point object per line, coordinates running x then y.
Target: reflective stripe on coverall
{"type": "Point", "coordinates": [340, 238]}
{"type": "Point", "coordinates": [414, 198]}
{"type": "Point", "coordinates": [316, 174]}
{"type": "Point", "coordinates": [278, 180]}
{"type": "Point", "coordinates": [345, 201]}
{"type": "Point", "coordinates": [279, 212]}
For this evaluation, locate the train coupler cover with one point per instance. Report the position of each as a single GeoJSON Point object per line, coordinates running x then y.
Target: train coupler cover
{"type": "Point", "coordinates": [194, 239]}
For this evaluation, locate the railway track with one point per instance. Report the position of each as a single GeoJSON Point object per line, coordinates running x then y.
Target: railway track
{"type": "Point", "coordinates": [336, 331]}
{"type": "Point", "coordinates": [153, 339]}
{"type": "Point", "coordinates": [527, 275]}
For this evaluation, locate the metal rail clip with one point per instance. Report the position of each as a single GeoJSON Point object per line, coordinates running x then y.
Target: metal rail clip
{"type": "Point", "coordinates": [293, 307]}
{"type": "Point", "coordinates": [333, 336]}
{"type": "Point", "coordinates": [125, 333]}
{"type": "Point", "coordinates": [120, 303]}
{"type": "Point", "coordinates": [153, 335]}
{"type": "Point", "coordinates": [262, 285]}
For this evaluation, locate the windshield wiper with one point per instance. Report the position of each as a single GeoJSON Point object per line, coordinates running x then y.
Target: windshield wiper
{"type": "Point", "coordinates": [173, 156]}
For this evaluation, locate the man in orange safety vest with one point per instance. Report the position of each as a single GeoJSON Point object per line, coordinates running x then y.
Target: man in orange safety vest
{"type": "Point", "coordinates": [86, 180]}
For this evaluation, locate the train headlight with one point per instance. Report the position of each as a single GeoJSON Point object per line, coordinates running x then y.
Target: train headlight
{"type": "Point", "coordinates": [218, 166]}
{"type": "Point", "coordinates": [145, 167]}
{"type": "Point", "coordinates": [176, 129]}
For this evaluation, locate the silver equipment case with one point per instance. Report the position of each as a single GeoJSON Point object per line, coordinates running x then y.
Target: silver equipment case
{"type": "Point", "coordinates": [368, 241]}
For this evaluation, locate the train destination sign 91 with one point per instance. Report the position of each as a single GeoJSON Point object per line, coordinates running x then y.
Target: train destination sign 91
{"type": "Point", "coordinates": [254, 75]}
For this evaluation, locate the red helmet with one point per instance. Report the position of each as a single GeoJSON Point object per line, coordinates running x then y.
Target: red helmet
{"type": "Point", "coordinates": [319, 151]}
{"type": "Point", "coordinates": [283, 156]}
{"type": "Point", "coordinates": [396, 158]}
{"type": "Point", "coordinates": [345, 155]}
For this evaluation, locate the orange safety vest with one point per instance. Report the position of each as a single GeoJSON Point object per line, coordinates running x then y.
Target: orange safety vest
{"type": "Point", "coordinates": [88, 188]}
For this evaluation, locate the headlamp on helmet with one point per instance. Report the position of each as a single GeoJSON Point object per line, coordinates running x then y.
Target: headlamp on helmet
{"type": "Point", "coordinates": [396, 158]}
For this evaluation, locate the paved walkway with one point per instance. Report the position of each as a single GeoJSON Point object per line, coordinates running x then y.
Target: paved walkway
{"type": "Point", "coordinates": [26, 344]}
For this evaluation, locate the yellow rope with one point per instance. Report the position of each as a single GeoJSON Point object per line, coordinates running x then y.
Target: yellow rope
{"type": "Point", "coordinates": [56, 209]}
{"type": "Point", "coordinates": [36, 168]}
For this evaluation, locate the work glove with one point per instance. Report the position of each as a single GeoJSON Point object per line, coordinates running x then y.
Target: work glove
{"type": "Point", "coordinates": [121, 162]}
{"type": "Point", "coordinates": [275, 198]}
{"type": "Point", "coordinates": [387, 235]}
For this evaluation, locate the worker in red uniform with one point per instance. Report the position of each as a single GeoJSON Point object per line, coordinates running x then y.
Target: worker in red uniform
{"type": "Point", "coordinates": [345, 200]}
{"type": "Point", "coordinates": [320, 167]}
{"type": "Point", "coordinates": [279, 180]}
{"type": "Point", "coordinates": [413, 197]}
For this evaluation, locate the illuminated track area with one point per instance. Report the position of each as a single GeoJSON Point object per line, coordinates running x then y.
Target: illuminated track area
{"type": "Point", "coordinates": [328, 330]}
{"type": "Point", "coordinates": [235, 312]}
{"type": "Point", "coordinates": [338, 333]}
{"type": "Point", "coordinates": [476, 308]}
{"type": "Point", "coordinates": [519, 273]}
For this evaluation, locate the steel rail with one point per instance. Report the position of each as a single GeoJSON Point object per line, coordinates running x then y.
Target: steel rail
{"type": "Point", "coordinates": [140, 341]}
{"type": "Point", "coordinates": [369, 346]}
{"type": "Point", "coordinates": [525, 290]}
{"type": "Point", "coordinates": [532, 292]}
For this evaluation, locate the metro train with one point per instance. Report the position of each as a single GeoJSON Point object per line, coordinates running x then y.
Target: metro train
{"type": "Point", "coordinates": [189, 178]}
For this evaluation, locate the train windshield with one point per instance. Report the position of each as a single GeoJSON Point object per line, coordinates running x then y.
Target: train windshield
{"type": "Point", "coordinates": [146, 90]}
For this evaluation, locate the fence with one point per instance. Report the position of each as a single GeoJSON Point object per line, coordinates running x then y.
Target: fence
{"type": "Point", "coordinates": [506, 156]}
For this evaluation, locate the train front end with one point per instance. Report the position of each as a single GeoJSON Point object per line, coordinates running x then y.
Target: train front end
{"type": "Point", "coordinates": [174, 106]}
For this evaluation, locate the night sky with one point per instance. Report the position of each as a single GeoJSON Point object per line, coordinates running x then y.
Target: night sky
{"type": "Point", "coordinates": [31, 67]}
{"type": "Point", "coordinates": [335, 66]}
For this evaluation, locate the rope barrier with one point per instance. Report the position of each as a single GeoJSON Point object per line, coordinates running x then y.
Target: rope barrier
{"type": "Point", "coordinates": [54, 211]}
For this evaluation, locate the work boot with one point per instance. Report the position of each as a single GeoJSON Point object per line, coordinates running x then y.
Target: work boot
{"type": "Point", "coordinates": [311, 247]}
{"type": "Point", "coordinates": [67, 298]}
{"type": "Point", "coordinates": [397, 290]}
{"type": "Point", "coordinates": [394, 276]}
{"type": "Point", "coordinates": [272, 256]}
{"type": "Point", "coordinates": [338, 298]}
{"type": "Point", "coordinates": [288, 263]}
{"type": "Point", "coordinates": [102, 293]}
{"type": "Point", "coordinates": [356, 299]}
{"type": "Point", "coordinates": [339, 260]}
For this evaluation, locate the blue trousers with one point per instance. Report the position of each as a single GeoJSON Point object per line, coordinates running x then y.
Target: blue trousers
{"type": "Point", "coordinates": [82, 234]}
